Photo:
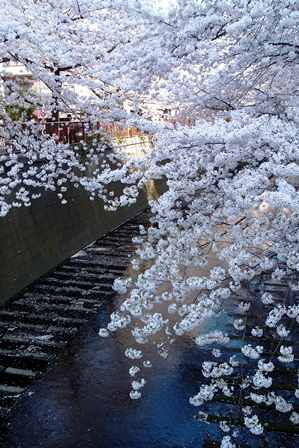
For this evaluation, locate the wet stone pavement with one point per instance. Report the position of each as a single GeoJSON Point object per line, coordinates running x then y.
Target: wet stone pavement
{"type": "Point", "coordinates": [83, 401]}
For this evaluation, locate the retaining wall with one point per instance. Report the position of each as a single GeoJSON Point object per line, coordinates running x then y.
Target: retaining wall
{"type": "Point", "coordinates": [35, 239]}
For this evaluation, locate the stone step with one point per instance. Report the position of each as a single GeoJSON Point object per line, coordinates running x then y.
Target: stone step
{"type": "Point", "coordinates": [49, 298]}
{"type": "Point", "coordinates": [70, 283]}
{"type": "Point", "coordinates": [94, 279]}
{"type": "Point", "coordinates": [7, 400]}
{"type": "Point", "coordinates": [10, 390]}
{"type": "Point", "coordinates": [62, 310]}
{"type": "Point", "coordinates": [75, 270]}
{"type": "Point", "coordinates": [106, 265]}
{"type": "Point", "coordinates": [37, 325]}
{"type": "Point", "coordinates": [13, 376]}
{"type": "Point", "coordinates": [73, 283]}
{"type": "Point", "coordinates": [41, 321]}
{"type": "Point", "coordinates": [63, 290]}
{"type": "Point", "coordinates": [44, 342]}
{"type": "Point", "coordinates": [32, 360]}
{"type": "Point", "coordinates": [71, 292]}
{"type": "Point", "coordinates": [40, 329]}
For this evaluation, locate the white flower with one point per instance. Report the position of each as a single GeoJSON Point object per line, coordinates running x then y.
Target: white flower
{"type": "Point", "coordinates": [132, 353]}
{"type": "Point", "coordinates": [222, 385]}
{"type": "Point", "coordinates": [212, 338]}
{"type": "Point", "coordinates": [216, 352]}
{"type": "Point", "coordinates": [282, 405]}
{"type": "Point", "coordinates": [136, 385]}
{"type": "Point", "coordinates": [227, 442]}
{"type": "Point", "coordinates": [247, 410]}
{"type": "Point", "coordinates": [211, 369]}
{"type": "Point", "coordinates": [233, 361]}
{"type": "Point", "coordinates": [120, 285]}
{"type": "Point", "coordinates": [282, 331]}
{"type": "Point", "coordinates": [206, 393]}
{"type": "Point", "coordinates": [275, 316]}
{"type": "Point", "coordinates": [217, 273]}
{"type": "Point", "coordinates": [103, 332]}
{"type": "Point", "coordinates": [267, 298]}
{"type": "Point", "coordinates": [294, 417]}
{"type": "Point", "coordinates": [245, 383]}
{"type": "Point", "coordinates": [286, 354]}
{"type": "Point", "coordinates": [134, 370]}
{"type": "Point", "coordinates": [239, 324]}
{"type": "Point", "coordinates": [202, 416]}
{"type": "Point", "coordinates": [253, 424]}
{"type": "Point", "coordinates": [265, 366]}
{"type": "Point", "coordinates": [260, 380]}
{"type": "Point", "coordinates": [243, 307]}
{"type": "Point", "coordinates": [257, 332]}
{"type": "Point", "coordinates": [135, 395]}
{"type": "Point", "coordinates": [252, 352]}
{"type": "Point", "coordinates": [172, 309]}
{"type": "Point", "coordinates": [196, 400]}
{"type": "Point", "coordinates": [257, 398]}
{"type": "Point", "coordinates": [224, 426]}
{"type": "Point", "coordinates": [293, 311]}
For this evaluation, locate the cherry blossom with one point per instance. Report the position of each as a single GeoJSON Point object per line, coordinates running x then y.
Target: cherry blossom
{"type": "Point", "coordinates": [215, 86]}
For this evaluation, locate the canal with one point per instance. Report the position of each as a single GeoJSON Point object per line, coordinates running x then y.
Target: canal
{"type": "Point", "coordinates": [83, 401]}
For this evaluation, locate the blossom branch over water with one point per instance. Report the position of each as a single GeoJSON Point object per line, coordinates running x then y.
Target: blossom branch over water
{"type": "Point", "coordinates": [230, 210]}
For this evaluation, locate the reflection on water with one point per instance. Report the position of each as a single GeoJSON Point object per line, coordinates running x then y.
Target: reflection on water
{"type": "Point", "coordinates": [83, 402]}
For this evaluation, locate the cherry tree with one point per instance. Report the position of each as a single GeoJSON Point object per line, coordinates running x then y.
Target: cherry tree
{"type": "Point", "coordinates": [67, 47]}
{"type": "Point", "coordinates": [230, 210]}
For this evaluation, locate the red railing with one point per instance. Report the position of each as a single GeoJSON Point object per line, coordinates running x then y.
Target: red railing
{"type": "Point", "coordinates": [76, 131]}
{"type": "Point", "coordinates": [66, 131]}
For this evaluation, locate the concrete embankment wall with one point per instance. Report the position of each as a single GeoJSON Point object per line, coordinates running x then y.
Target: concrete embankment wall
{"type": "Point", "coordinates": [35, 239]}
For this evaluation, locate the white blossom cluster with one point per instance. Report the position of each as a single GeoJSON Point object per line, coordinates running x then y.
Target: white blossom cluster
{"type": "Point", "coordinates": [213, 337]}
{"type": "Point", "coordinates": [228, 157]}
